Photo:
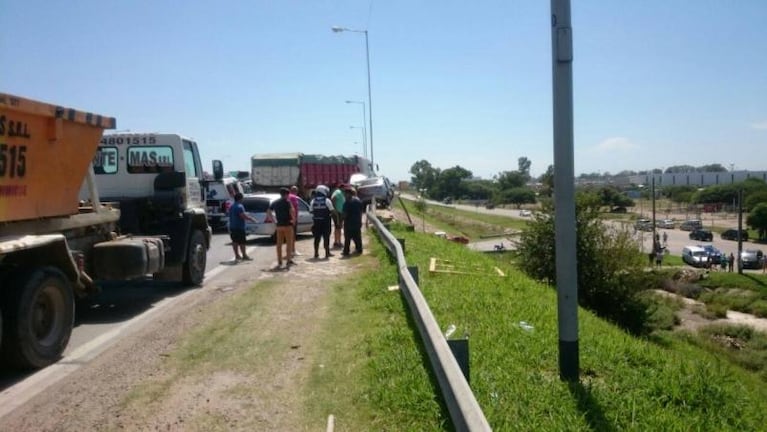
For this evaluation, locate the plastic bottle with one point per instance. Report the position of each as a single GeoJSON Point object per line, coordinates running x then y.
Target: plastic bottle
{"type": "Point", "coordinates": [450, 330]}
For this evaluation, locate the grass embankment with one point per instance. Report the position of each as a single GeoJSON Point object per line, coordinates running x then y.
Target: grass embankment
{"type": "Point", "coordinates": [473, 225]}
{"type": "Point", "coordinates": [626, 383]}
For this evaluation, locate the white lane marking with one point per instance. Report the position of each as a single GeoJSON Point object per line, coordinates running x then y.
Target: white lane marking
{"type": "Point", "coordinates": [20, 393]}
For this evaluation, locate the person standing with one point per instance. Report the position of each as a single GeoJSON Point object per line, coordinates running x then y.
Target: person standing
{"type": "Point", "coordinates": [731, 262]}
{"type": "Point", "coordinates": [237, 218]}
{"type": "Point", "coordinates": [338, 198]}
{"type": "Point", "coordinates": [322, 210]}
{"type": "Point", "coordinates": [352, 221]}
{"type": "Point", "coordinates": [665, 238]}
{"type": "Point", "coordinates": [281, 212]}
{"type": "Point", "coordinates": [659, 258]}
{"type": "Point", "coordinates": [293, 198]}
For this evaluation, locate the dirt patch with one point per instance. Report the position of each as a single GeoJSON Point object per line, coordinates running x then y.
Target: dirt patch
{"type": "Point", "coordinates": [96, 397]}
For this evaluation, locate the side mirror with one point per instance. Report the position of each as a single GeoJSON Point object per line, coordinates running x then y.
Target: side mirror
{"type": "Point", "coordinates": [218, 169]}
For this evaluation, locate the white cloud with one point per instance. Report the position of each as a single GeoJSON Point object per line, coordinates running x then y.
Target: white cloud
{"type": "Point", "coordinates": [615, 144]}
{"type": "Point", "coordinates": [759, 125]}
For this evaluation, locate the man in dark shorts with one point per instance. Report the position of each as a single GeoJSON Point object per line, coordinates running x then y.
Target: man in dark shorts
{"type": "Point", "coordinates": [283, 215]}
{"type": "Point", "coordinates": [352, 221]}
{"type": "Point", "coordinates": [322, 209]}
{"type": "Point", "coordinates": [237, 218]}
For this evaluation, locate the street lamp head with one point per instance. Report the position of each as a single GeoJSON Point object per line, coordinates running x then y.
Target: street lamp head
{"type": "Point", "coordinates": [337, 29]}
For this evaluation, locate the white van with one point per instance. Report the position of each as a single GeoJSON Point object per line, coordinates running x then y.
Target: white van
{"type": "Point", "coordinates": [695, 256]}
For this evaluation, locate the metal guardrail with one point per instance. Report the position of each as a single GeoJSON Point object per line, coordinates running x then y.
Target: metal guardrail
{"type": "Point", "coordinates": [461, 403]}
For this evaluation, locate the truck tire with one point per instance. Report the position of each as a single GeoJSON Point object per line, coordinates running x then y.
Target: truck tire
{"type": "Point", "coordinates": [39, 314]}
{"type": "Point", "coordinates": [196, 258]}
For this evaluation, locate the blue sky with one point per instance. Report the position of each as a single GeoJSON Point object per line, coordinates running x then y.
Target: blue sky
{"type": "Point", "coordinates": [656, 82]}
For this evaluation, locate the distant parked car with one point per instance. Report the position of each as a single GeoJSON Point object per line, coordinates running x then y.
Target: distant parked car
{"type": "Point", "coordinates": [752, 259]}
{"type": "Point", "coordinates": [447, 200]}
{"type": "Point", "coordinates": [643, 225]}
{"type": "Point", "coordinates": [525, 213]}
{"type": "Point", "coordinates": [619, 209]}
{"type": "Point", "coordinates": [695, 256]}
{"type": "Point", "coordinates": [667, 224]}
{"type": "Point", "coordinates": [702, 235]}
{"type": "Point", "coordinates": [256, 206]}
{"type": "Point", "coordinates": [691, 224]}
{"type": "Point", "coordinates": [732, 234]}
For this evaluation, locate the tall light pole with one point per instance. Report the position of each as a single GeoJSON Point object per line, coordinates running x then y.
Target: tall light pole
{"type": "Point", "coordinates": [364, 121]}
{"type": "Point", "coordinates": [364, 141]}
{"type": "Point", "coordinates": [338, 29]}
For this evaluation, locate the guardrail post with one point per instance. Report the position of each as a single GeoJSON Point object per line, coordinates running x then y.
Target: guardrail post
{"type": "Point", "coordinates": [460, 349]}
{"type": "Point", "coordinates": [413, 270]}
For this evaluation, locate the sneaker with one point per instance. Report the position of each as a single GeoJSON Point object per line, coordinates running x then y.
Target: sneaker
{"type": "Point", "coordinates": [291, 262]}
{"type": "Point", "coordinates": [237, 259]}
{"type": "Point", "coordinates": [297, 253]}
{"type": "Point", "coordinates": [247, 258]}
{"type": "Point", "coordinates": [316, 255]}
{"type": "Point", "coordinates": [328, 254]}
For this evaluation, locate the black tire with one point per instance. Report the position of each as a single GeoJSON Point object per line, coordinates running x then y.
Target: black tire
{"type": "Point", "coordinates": [196, 258]}
{"type": "Point", "coordinates": [39, 312]}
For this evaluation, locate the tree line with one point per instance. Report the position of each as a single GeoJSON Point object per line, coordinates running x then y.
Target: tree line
{"type": "Point", "coordinates": [506, 187]}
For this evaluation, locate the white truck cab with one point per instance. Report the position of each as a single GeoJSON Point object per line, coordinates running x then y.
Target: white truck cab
{"type": "Point", "coordinates": [157, 181]}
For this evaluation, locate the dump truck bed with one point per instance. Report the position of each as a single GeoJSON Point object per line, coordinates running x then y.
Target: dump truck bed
{"type": "Point", "coordinates": [45, 152]}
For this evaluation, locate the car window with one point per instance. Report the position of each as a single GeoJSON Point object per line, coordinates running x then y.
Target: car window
{"type": "Point", "coordinates": [302, 205]}
{"type": "Point", "coordinates": [255, 205]}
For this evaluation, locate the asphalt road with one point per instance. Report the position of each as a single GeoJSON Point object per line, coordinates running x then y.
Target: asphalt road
{"type": "Point", "coordinates": [123, 306]}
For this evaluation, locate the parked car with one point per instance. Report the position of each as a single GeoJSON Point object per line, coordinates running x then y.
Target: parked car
{"type": "Point", "coordinates": [256, 206]}
{"type": "Point", "coordinates": [691, 224]}
{"type": "Point", "coordinates": [643, 225]}
{"type": "Point", "coordinates": [379, 188]}
{"type": "Point", "coordinates": [447, 200]}
{"type": "Point", "coordinates": [732, 234]}
{"type": "Point", "coordinates": [714, 253]}
{"type": "Point", "coordinates": [619, 209]}
{"type": "Point", "coordinates": [702, 235]}
{"type": "Point", "coordinates": [695, 256]}
{"type": "Point", "coordinates": [525, 213]}
{"type": "Point", "coordinates": [752, 258]}
{"type": "Point", "coordinates": [667, 224]}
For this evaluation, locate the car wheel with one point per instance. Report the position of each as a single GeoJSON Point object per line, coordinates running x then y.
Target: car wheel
{"type": "Point", "coordinates": [194, 266]}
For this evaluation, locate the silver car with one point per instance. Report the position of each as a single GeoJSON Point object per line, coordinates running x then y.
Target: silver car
{"type": "Point", "coordinates": [256, 206]}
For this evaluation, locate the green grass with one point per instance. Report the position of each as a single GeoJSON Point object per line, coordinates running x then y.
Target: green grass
{"type": "Point", "coordinates": [741, 344]}
{"type": "Point", "coordinates": [626, 383]}
{"type": "Point", "coordinates": [369, 371]}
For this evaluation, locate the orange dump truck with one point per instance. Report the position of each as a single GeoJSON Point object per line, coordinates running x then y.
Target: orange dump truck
{"type": "Point", "coordinates": [52, 246]}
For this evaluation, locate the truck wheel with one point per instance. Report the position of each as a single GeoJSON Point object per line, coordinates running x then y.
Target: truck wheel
{"type": "Point", "coordinates": [39, 315]}
{"type": "Point", "coordinates": [196, 257]}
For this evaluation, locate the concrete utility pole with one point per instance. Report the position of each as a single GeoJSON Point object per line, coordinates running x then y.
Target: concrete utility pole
{"type": "Point", "coordinates": [740, 230]}
{"type": "Point", "coordinates": [564, 190]}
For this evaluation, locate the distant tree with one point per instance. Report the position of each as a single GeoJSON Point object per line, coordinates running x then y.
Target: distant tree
{"type": "Point", "coordinates": [523, 164]}
{"type": "Point", "coordinates": [755, 198]}
{"type": "Point", "coordinates": [712, 168]}
{"type": "Point", "coordinates": [547, 181]}
{"type": "Point", "coordinates": [757, 219]}
{"type": "Point", "coordinates": [680, 194]}
{"type": "Point", "coordinates": [626, 173]}
{"type": "Point", "coordinates": [679, 169]}
{"type": "Point", "coordinates": [478, 189]}
{"type": "Point", "coordinates": [424, 175]}
{"type": "Point", "coordinates": [510, 180]}
{"type": "Point", "coordinates": [518, 196]}
{"type": "Point", "coordinates": [611, 196]}
{"type": "Point", "coordinates": [449, 182]}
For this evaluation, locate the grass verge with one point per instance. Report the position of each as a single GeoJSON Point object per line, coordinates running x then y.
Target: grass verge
{"type": "Point", "coordinates": [626, 383]}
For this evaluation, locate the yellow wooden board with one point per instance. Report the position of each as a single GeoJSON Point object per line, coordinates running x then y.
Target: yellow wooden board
{"type": "Point", "coordinates": [437, 265]}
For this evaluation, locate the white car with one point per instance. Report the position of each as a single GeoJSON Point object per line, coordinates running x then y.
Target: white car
{"type": "Point", "coordinates": [525, 213]}
{"type": "Point", "coordinates": [256, 206]}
